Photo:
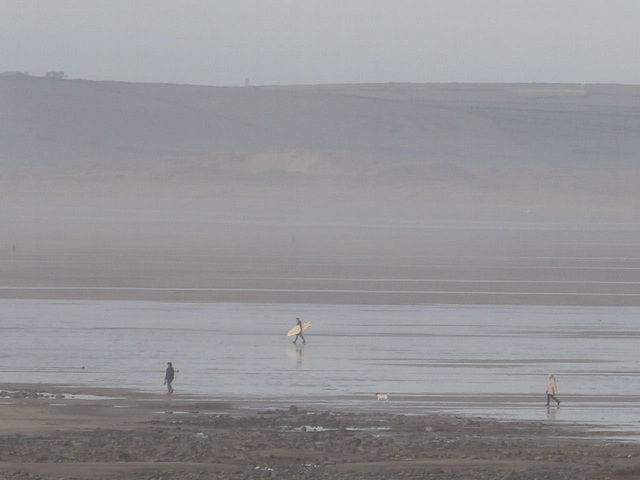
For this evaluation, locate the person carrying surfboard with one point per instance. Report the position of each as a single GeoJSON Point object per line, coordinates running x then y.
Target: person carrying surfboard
{"type": "Point", "coordinates": [299, 334]}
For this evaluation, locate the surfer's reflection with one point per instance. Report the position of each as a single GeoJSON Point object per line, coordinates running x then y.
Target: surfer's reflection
{"type": "Point", "coordinates": [297, 352]}
{"type": "Point", "coordinates": [552, 413]}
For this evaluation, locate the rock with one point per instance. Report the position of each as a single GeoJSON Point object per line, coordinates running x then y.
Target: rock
{"type": "Point", "coordinates": [124, 457]}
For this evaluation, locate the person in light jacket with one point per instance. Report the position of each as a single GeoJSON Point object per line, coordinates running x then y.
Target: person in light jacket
{"type": "Point", "coordinates": [552, 388]}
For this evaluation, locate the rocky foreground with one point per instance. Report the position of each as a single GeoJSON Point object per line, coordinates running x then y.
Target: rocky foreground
{"type": "Point", "coordinates": [56, 436]}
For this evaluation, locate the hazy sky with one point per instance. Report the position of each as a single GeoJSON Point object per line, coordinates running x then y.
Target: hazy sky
{"type": "Point", "coordinates": [226, 42]}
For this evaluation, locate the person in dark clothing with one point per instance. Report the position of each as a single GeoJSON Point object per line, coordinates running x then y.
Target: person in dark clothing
{"type": "Point", "coordinates": [299, 334]}
{"type": "Point", "coordinates": [168, 377]}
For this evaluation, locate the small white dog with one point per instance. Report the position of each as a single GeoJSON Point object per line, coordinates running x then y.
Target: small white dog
{"type": "Point", "coordinates": [382, 397]}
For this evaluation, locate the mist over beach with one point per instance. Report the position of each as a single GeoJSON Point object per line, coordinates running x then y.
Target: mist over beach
{"type": "Point", "coordinates": [109, 184]}
{"type": "Point", "coordinates": [447, 191]}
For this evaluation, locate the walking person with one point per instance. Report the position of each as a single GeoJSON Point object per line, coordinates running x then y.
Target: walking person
{"type": "Point", "coordinates": [299, 334]}
{"type": "Point", "coordinates": [552, 388]}
{"type": "Point", "coordinates": [168, 377]}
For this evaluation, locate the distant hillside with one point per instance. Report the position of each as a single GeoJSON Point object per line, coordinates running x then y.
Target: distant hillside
{"type": "Point", "coordinates": [409, 149]}
{"type": "Point", "coordinates": [51, 122]}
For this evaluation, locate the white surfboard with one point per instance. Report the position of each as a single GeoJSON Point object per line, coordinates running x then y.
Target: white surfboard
{"type": "Point", "coordinates": [296, 330]}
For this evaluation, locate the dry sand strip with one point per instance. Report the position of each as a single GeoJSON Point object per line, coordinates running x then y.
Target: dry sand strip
{"type": "Point", "coordinates": [92, 470]}
{"type": "Point", "coordinates": [55, 432]}
{"type": "Point", "coordinates": [461, 468]}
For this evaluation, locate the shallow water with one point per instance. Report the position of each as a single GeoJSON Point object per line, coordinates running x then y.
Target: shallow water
{"type": "Point", "coordinates": [489, 361]}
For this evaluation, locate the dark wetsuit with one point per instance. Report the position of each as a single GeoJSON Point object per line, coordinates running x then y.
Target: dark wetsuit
{"type": "Point", "coordinates": [299, 334]}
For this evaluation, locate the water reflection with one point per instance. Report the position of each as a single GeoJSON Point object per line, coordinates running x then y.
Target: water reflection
{"type": "Point", "coordinates": [296, 352]}
{"type": "Point", "coordinates": [552, 413]}
{"type": "Point", "coordinates": [433, 358]}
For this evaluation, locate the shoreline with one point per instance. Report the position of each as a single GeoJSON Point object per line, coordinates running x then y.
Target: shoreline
{"type": "Point", "coordinates": [488, 363]}
{"type": "Point", "coordinates": [54, 431]}
{"type": "Point", "coordinates": [320, 297]}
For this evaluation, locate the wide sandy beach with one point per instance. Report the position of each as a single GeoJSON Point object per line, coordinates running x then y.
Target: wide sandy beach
{"type": "Point", "coordinates": [109, 434]}
{"type": "Point", "coordinates": [54, 432]}
{"type": "Point", "coordinates": [89, 433]}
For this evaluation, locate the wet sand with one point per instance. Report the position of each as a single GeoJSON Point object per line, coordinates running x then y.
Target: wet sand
{"type": "Point", "coordinates": [63, 433]}
{"type": "Point", "coordinates": [556, 271]}
{"type": "Point", "coordinates": [135, 436]}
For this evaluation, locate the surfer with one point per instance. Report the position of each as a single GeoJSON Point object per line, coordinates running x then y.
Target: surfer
{"type": "Point", "coordinates": [299, 334]}
{"type": "Point", "coordinates": [552, 388]}
{"type": "Point", "coordinates": [168, 377]}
